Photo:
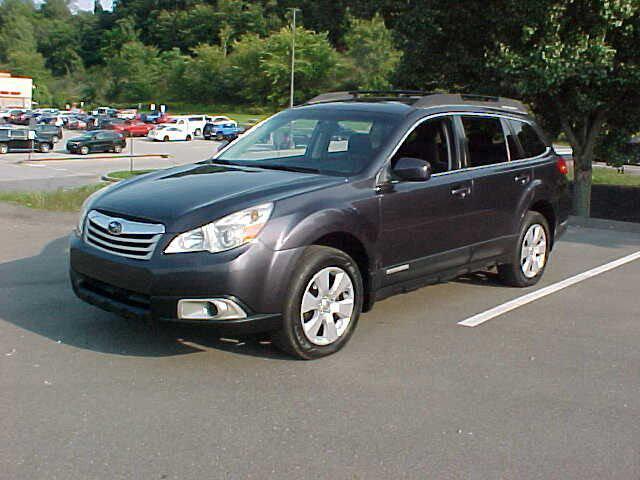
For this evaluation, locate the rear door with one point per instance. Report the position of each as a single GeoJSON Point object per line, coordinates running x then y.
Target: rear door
{"type": "Point", "coordinates": [499, 183]}
{"type": "Point", "coordinates": [423, 228]}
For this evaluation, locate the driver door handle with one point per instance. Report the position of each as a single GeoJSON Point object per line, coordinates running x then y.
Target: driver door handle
{"type": "Point", "coordinates": [461, 192]}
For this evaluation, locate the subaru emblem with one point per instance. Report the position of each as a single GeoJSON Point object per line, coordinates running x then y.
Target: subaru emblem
{"type": "Point", "coordinates": [115, 228]}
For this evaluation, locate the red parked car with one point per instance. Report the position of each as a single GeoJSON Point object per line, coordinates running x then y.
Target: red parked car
{"type": "Point", "coordinates": [132, 128]}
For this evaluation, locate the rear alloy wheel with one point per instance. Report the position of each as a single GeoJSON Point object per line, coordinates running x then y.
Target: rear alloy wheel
{"type": "Point", "coordinates": [4, 148]}
{"type": "Point", "coordinates": [323, 306]}
{"type": "Point", "coordinates": [84, 150]}
{"type": "Point", "coordinates": [531, 253]}
{"type": "Point", "coordinates": [44, 148]}
{"type": "Point", "coordinates": [198, 132]}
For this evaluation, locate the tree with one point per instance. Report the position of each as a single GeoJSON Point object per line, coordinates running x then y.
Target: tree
{"type": "Point", "coordinates": [371, 49]}
{"type": "Point", "coordinates": [577, 61]}
{"type": "Point", "coordinates": [265, 65]}
{"type": "Point", "coordinates": [134, 70]}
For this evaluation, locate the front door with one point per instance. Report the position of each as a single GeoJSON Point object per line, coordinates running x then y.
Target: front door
{"type": "Point", "coordinates": [423, 223]}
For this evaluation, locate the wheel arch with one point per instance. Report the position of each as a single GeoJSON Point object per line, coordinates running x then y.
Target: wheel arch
{"type": "Point", "coordinates": [355, 248]}
{"type": "Point", "coordinates": [545, 208]}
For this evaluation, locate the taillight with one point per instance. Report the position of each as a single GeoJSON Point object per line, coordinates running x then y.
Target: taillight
{"type": "Point", "coordinates": [562, 166]}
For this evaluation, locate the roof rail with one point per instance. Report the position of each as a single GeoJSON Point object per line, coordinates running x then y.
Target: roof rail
{"type": "Point", "coordinates": [488, 101]}
{"type": "Point", "coordinates": [363, 94]}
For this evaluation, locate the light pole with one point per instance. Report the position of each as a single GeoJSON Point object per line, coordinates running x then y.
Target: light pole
{"type": "Point", "coordinates": [293, 55]}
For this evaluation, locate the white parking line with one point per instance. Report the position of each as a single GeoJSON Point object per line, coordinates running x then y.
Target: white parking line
{"type": "Point", "coordinates": [487, 315]}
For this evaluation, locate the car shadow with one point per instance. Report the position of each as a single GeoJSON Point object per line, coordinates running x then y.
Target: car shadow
{"type": "Point", "coordinates": [483, 278]}
{"type": "Point", "coordinates": [35, 295]}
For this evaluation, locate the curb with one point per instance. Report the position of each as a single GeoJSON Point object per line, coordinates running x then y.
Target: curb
{"type": "Point", "coordinates": [101, 157]}
{"type": "Point", "coordinates": [107, 178]}
{"type": "Point", "coordinates": [603, 224]}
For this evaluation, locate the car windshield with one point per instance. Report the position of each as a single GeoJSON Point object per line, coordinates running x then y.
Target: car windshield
{"type": "Point", "coordinates": [333, 142]}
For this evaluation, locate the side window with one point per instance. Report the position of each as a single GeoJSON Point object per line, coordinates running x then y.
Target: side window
{"type": "Point", "coordinates": [430, 141]}
{"type": "Point", "coordinates": [532, 144]}
{"type": "Point", "coordinates": [485, 141]}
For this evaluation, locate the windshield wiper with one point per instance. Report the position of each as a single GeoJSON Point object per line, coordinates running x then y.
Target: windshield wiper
{"type": "Point", "coordinates": [288, 168]}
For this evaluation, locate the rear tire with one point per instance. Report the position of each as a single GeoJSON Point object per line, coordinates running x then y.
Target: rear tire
{"type": "Point", "coordinates": [322, 308]}
{"type": "Point", "coordinates": [4, 148]}
{"type": "Point", "coordinates": [117, 149]}
{"type": "Point", "coordinates": [530, 253]}
{"type": "Point", "coordinates": [165, 139]}
{"type": "Point", "coordinates": [55, 139]}
{"type": "Point", "coordinates": [198, 132]}
{"type": "Point", "coordinates": [188, 139]}
{"type": "Point", "coordinates": [44, 148]}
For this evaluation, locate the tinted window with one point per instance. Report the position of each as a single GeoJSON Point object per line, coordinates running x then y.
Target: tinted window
{"type": "Point", "coordinates": [19, 134]}
{"type": "Point", "coordinates": [195, 119]}
{"type": "Point", "coordinates": [532, 144]}
{"type": "Point", "coordinates": [430, 141]}
{"type": "Point", "coordinates": [485, 140]}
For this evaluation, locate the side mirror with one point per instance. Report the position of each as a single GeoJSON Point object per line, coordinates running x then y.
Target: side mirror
{"type": "Point", "coordinates": [412, 169]}
{"type": "Point", "coordinates": [223, 144]}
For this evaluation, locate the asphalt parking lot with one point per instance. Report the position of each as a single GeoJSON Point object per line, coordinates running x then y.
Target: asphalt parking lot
{"type": "Point", "coordinates": [21, 171]}
{"type": "Point", "coordinates": [548, 390]}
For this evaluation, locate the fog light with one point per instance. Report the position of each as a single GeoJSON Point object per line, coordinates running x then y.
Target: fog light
{"type": "Point", "coordinates": [210, 309]}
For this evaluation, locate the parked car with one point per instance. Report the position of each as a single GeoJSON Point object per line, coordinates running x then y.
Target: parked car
{"type": "Point", "coordinates": [51, 132]}
{"type": "Point", "coordinates": [221, 131]}
{"type": "Point", "coordinates": [127, 113]}
{"type": "Point", "coordinates": [170, 133]}
{"type": "Point", "coordinates": [23, 140]}
{"type": "Point", "coordinates": [97, 141]}
{"type": "Point", "coordinates": [298, 240]}
{"type": "Point", "coordinates": [20, 117]}
{"type": "Point", "coordinates": [154, 117]}
{"type": "Point", "coordinates": [104, 111]}
{"type": "Point", "coordinates": [132, 128]}
{"type": "Point", "coordinates": [77, 122]}
{"type": "Point", "coordinates": [110, 123]}
{"type": "Point", "coordinates": [193, 123]}
{"type": "Point", "coordinates": [45, 119]}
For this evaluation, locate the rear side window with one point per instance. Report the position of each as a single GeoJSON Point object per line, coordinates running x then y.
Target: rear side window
{"type": "Point", "coordinates": [531, 143]}
{"type": "Point", "coordinates": [486, 141]}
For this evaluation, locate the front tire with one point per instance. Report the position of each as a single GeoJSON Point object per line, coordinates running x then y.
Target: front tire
{"type": "Point", "coordinates": [198, 132]}
{"type": "Point", "coordinates": [117, 149]}
{"type": "Point", "coordinates": [44, 148]}
{"type": "Point", "coordinates": [322, 309]}
{"type": "Point", "coordinates": [84, 150]}
{"type": "Point", "coordinates": [188, 139]}
{"type": "Point", "coordinates": [165, 139]}
{"type": "Point", "coordinates": [4, 148]}
{"type": "Point", "coordinates": [530, 253]}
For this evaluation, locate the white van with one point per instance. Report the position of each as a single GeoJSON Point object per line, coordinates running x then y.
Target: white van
{"type": "Point", "coordinates": [192, 123]}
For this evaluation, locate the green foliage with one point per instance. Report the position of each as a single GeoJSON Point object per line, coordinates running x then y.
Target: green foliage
{"type": "Point", "coordinates": [371, 49]}
{"type": "Point", "coordinates": [65, 200]}
{"type": "Point", "coordinates": [264, 65]}
{"type": "Point", "coordinates": [134, 70]}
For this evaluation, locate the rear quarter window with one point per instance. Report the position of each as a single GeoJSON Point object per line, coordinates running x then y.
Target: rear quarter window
{"type": "Point", "coordinates": [529, 139]}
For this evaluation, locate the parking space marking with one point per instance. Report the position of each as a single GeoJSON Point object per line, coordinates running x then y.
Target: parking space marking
{"type": "Point", "coordinates": [487, 315]}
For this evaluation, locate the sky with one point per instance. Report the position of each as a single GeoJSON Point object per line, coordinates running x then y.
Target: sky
{"type": "Point", "coordinates": [88, 4]}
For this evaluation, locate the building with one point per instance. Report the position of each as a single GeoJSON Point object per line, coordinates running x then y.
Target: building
{"type": "Point", "coordinates": [15, 92]}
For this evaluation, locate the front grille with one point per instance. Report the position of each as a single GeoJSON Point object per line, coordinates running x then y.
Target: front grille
{"type": "Point", "coordinates": [134, 239]}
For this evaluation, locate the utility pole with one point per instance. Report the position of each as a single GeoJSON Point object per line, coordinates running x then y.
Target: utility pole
{"type": "Point", "coordinates": [293, 55]}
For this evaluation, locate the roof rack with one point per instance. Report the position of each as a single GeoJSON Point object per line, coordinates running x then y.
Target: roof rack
{"type": "Point", "coordinates": [486, 101]}
{"type": "Point", "coordinates": [422, 99]}
{"type": "Point", "coordinates": [364, 94]}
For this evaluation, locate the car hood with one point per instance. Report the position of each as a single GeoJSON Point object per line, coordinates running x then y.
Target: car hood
{"type": "Point", "coordinates": [186, 197]}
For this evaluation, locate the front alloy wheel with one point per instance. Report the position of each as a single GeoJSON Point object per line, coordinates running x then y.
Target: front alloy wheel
{"type": "Point", "coordinates": [323, 304]}
{"type": "Point", "coordinates": [327, 306]}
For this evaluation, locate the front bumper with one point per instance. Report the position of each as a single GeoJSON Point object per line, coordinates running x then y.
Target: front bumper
{"type": "Point", "coordinates": [253, 276]}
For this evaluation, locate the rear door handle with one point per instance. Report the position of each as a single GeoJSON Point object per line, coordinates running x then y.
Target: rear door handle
{"type": "Point", "coordinates": [461, 192]}
{"type": "Point", "coordinates": [522, 179]}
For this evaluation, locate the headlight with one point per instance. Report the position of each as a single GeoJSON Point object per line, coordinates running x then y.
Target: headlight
{"type": "Point", "coordinates": [224, 234]}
